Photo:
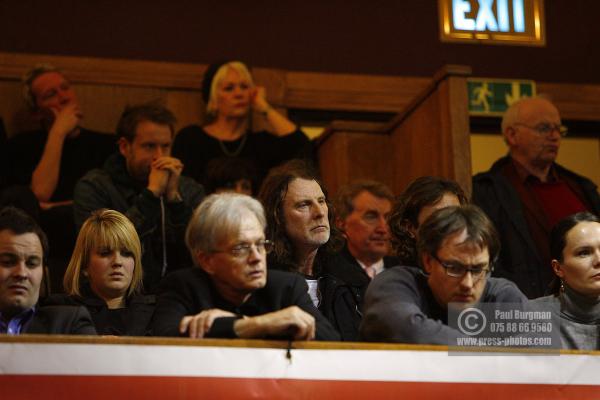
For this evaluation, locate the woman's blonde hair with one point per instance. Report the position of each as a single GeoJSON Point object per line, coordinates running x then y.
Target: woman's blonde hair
{"type": "Point", "coordinates": [237, 66]}
{"type": "Point", "coordinates": [104, 228]}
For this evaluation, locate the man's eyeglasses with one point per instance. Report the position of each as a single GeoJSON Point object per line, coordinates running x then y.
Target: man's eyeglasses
{"type": "Point", "coordinates": [546, 129]}
{"type": "Point", "coordinates": [242, 250]}
{"type": "Point", "coordinates": [458, 270]}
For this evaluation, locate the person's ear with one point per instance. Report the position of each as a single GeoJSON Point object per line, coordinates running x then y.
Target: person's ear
{"type": "Point", "coordinates": [427, 261]}
{"type": "Point", "coordinates": [558, 270]}
{"type": "Point", "coordinates": [340, 223]}
{"type": "Point", "coordinates": [124, 146]}
{"type": "Point", "coordinates": [206, 261]}
{"type": "Point", "coordinates": [510, 135]}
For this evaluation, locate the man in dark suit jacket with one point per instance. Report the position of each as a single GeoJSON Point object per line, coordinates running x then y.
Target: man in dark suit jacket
{"type": "Point", "coordinates": [362, 208]}
{"type": "Point", "coordinates": [63, 320]}
{"type": "Point", "coordinates": [527, 192]}
{"type": "Point", "coordinates": [230, 293]}
{"type": "Point", "coordinates": [23, 250]}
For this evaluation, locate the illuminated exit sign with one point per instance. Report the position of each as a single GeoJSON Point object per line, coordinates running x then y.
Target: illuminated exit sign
{"type": "Point", "coordinates": [518, 22]}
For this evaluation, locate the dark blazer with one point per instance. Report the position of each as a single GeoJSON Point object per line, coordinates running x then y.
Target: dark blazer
{"type": "Point", "coordinates": [61, 320]}
{"type": "Point", "coordinates": [342, 286]}
{"type": "Point", "coordinates": [519, 260]}
{"type": "Point", "coordinates": [190, 291]}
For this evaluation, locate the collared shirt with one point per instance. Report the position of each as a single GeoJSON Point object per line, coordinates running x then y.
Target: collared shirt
{"type": "Point", "coordinates": [535, 209]}
{"type": "Point", "coordinates": [16, 324]}
{"type": "Point", "coordinates": [373, 269]}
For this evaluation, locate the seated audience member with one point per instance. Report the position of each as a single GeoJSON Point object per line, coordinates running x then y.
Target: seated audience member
{"type": "Point", "coordinates": [419, 200]}
{"type": "Point", "coordinates": [43, 166]}
{"type": "Point", "coordinates": [23, 251]}
{"type": "Point", "coordinates": [527, 192]}
{"type": "Point", "coordinates": [457, 247]}
{"type": "Point", "coordinates": [299, 221]}
{"type": "Point", "coordinates": [143, 182]}
{"type": "Point", "coordinates": [575, 248]}
{"type": "Point", "coordinates": [230, 293]}
{"type": "Point", "coordinates": [105, 276]}
{"type": "Point", "coordinates": [227, 174]}
{"type": "Point", "coordinates": [52, 159]}
{"type": "Point", "coordinates": [231, 97]}
{"type": "Point", "coordinates": [361, 211]}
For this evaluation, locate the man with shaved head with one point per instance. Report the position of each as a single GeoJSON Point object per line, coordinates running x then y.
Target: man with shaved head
{"type": "Point", "coordinates": [527, 192]}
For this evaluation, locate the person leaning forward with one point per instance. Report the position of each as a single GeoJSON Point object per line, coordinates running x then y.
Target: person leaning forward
{"type": "Point", "coordinates": [144, 182]}
{"type": "Point", "coordinates": [230, 294]}
{"type": "Point", "coordinates": [457, 246]}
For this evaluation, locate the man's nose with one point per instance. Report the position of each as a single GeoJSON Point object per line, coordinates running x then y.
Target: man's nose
{"type": "Point", "coordinates": [64, 97]}
{"type": "Point", "coordinates": [555, 133]}
{"type": "Point", "coordinates": [20, 269]}
{"type": "Point", "coordinates": [158, 152]}
{"type": "Point", "coordinates": [320, 211]}
{"type": "Point", "coordinates": [467, 282]}
{"type": "Point", "coordinates": [255, 254]}
{"type": "Point", "coordinates": [382, 225]}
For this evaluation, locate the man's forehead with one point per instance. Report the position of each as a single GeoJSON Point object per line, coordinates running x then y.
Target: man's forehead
{"type": "Point", "coordinates": [459, 243]}
{"type": "Point", "coordinates": [538, 110]}
{"type": "Point", "coordinates": [300, 189]}
{"type": "Point", "coordinates": [366, 200]}
{"type": "Point", "coordinates": [151, 132]}
{"type": "Point", "coordinates": [47, 79]}
{"type": "Point", "coordinates": [28, 243]}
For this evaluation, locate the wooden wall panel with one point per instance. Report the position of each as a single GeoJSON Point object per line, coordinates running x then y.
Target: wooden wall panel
{"type": "Point", "coordinates": [187, 106]}
{"type": "Point", "coordinates": [285, 89]}
{"type": "Point", "coordinates": [416, 146]}
{"type": "Point", "coordinates": [354, 150]}
{"type": "Point", "coordinates": [351, 92]}
{"type": "Point", "coordinates": [456, 103]}
{"type": "Point", "coordinates": [429, 137]}
{"type": "Point", "coordinates": [577, 102]}
{"type": "Point", "coordinates": [12, 108]}
{"type": "Point", "coordinates": [102, 105]}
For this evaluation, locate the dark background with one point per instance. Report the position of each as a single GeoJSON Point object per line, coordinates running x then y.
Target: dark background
{"type": "Point", "coordinates": [391, 37]}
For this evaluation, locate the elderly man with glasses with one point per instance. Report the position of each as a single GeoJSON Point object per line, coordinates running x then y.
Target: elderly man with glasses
{"type": "Point", "coordinates": [456, 246]}
{"type": "Point", "coordinates": [527, 192]}
{"type": "Point", "coordinates": [229, 294]}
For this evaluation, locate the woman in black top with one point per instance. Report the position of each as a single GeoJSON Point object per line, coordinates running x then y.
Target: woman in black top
{"type": "Point", "coordinates": [231, 100]}
{"type": "Point", "coordinates": [105, 275]}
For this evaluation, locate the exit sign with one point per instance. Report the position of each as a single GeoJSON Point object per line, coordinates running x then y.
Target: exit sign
{"type": "Point", "coordinates": [491, 97]}
{"type": "Point", "coordinates": [518, 22]}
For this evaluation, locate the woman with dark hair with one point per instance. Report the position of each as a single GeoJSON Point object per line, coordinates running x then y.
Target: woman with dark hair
{"type": "Point", "coordinates": [422, 197]}
{"type": "Point", "coordinates": [105, 276]}
{"type": "Point", "coordinates": [226, 174]}
{"type": "Point", "coordinates": [231, 99]}
{"type": "Point", "coordinates": [575, 251]}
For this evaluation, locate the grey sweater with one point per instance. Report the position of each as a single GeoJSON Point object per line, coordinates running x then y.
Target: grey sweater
{"type": "Point", "coordinates": [579, 319]}
{"type": "Point", "coordinates": [400, 307]}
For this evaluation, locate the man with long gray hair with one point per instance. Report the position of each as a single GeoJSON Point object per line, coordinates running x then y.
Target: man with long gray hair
{"type": "Point", "coordinates": [229, 293]}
